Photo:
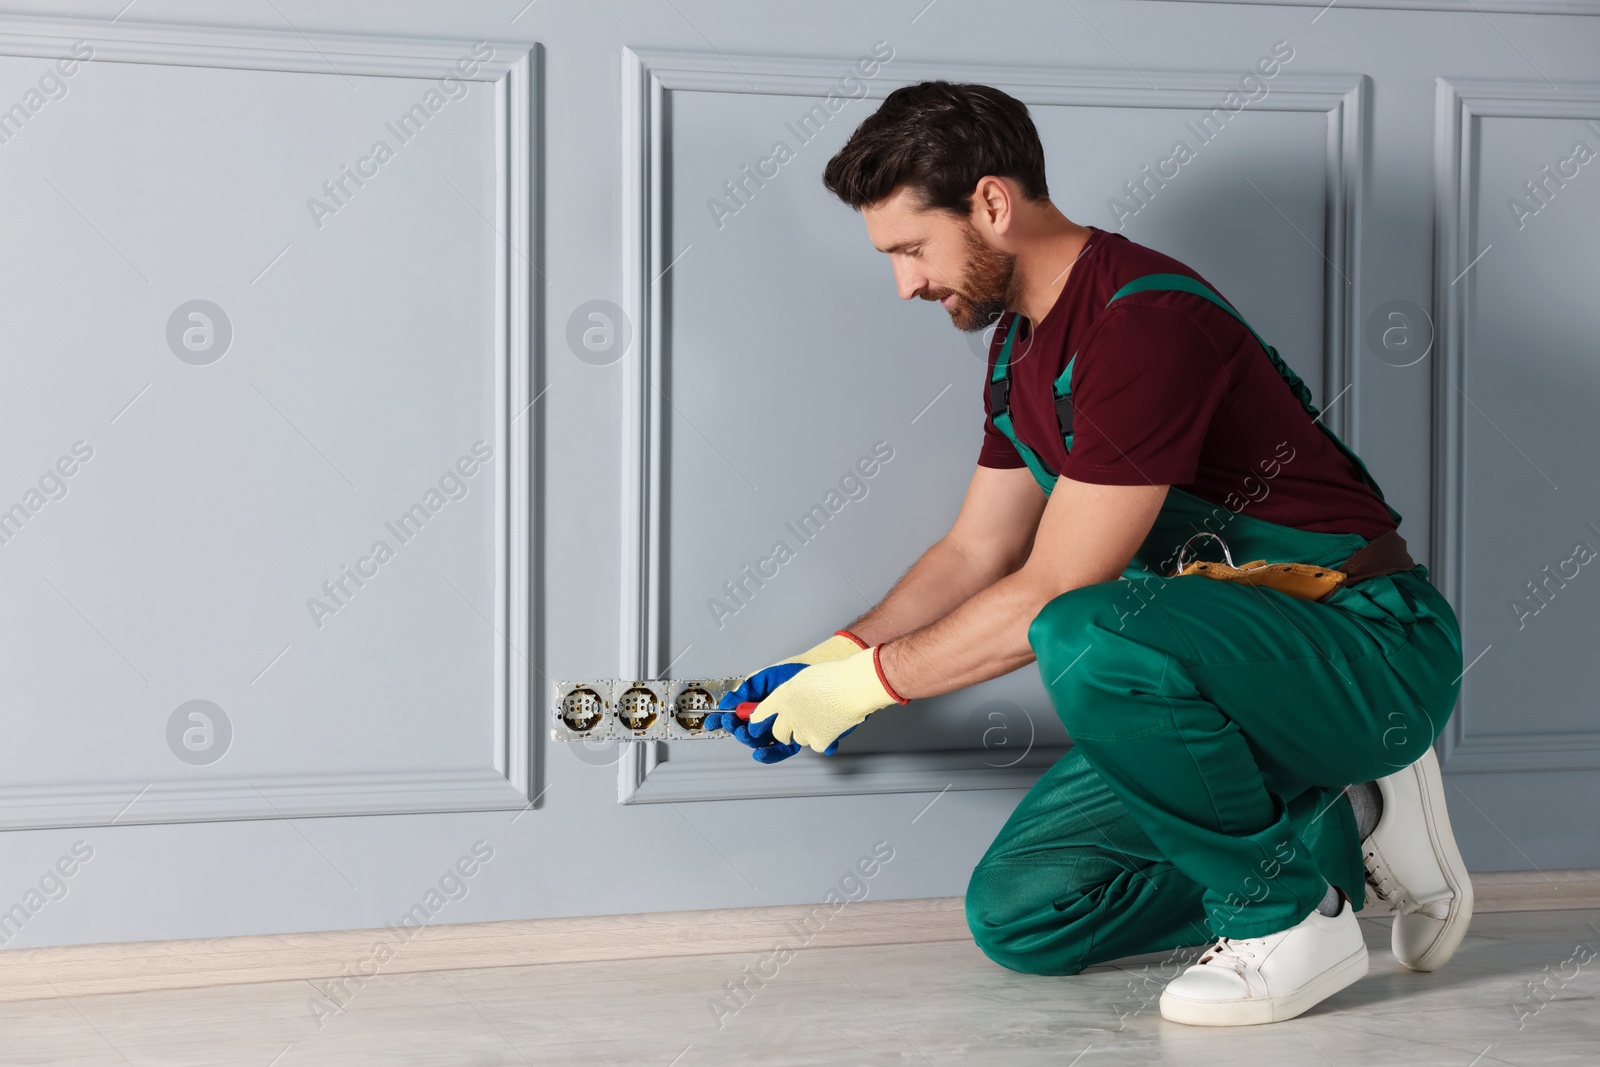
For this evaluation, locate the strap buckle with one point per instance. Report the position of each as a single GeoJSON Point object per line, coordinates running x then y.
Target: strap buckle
{"type": "Point", "coordinates": [1064, 414]}
{"type": "Point", "coordinates": [1000, 396]}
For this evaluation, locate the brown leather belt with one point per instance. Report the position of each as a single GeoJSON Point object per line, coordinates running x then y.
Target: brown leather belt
{"type": "Point", "coordinates": [1385, 554]}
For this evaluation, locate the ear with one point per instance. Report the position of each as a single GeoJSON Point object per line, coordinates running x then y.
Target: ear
{"type": "Point", "coordinates": [992, 206]}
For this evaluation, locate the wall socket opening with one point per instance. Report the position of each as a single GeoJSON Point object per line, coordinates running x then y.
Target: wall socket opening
{"type": "Point", "coordinates": [690, 707]}
{"type": "Point", "coordinates": [639, 707]}
{"type": "Point", "coordinates": [582, 709]}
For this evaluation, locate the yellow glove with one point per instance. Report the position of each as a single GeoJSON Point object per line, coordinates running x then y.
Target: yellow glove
{"type": "Point", "coordinates": [823, 701]}
{"type": "Point", "coordinates": [842, 643]}
{"type": "Point", "coordinates": [763, 683]}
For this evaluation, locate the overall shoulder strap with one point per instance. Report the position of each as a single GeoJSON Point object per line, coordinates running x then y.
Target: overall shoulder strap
{"type": "Point", "coordinates": [1302, 393]}
{"type": "Point", "coordinates": [1000, 377]}
{"type": "Point", "coordinates": [1062, 390]}
{"type": "Point", "coordinates": [1000, 411]}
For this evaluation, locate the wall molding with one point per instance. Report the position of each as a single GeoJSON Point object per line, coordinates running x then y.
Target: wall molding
{"type": "Point", "coordinates": [240, 49]}
{"type": "Point", "coordinates": [660, 781]}
{"type": "Point", "coordinates": [231, 798]}
{"type": "Point", "coordinates": [1457, 105]}
{"type": "Point", "coordinates": [507, 781]}
{"type": "Point", "coordinates": [646, 773]}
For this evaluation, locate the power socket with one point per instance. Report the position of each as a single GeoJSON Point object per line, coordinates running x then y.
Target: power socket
{"type": "Point", "coordinates": [640, 710]}
{"type": "Point", "coordinates": [691, 700]}
{"type": "Point", "coordinates": [637, 710]}
{"type": "Point", "coordinates": [581, 711]}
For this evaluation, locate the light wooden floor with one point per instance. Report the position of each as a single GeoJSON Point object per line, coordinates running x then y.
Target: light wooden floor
{"type": "Point", "coordinates": [934, 1003]}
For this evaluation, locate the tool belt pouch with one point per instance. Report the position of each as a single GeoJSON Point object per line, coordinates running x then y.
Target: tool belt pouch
{"type": "Point", "coordinates": [1385, 555]}
{"type": "Point", "coordinates": [1296, 579]}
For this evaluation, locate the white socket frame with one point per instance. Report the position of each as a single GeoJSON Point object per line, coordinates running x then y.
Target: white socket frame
{"type": "Point", "coordinates": [611, 727]}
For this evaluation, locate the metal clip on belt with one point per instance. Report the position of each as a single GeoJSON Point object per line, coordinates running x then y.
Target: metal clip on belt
{"type": "Point", "coordinates": [1385, 554]}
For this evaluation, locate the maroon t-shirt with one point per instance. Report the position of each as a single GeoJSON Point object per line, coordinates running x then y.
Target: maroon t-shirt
{"type": "Point", "coordinates": [1169, 389]}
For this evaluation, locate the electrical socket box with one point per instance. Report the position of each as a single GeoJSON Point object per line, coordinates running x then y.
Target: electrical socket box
{"type": "Point", "coordinates": [637, 710]}
{"type": "Point", "coordinates": [582, 711]}
{"type": "Point", "coordinates": [690, 700]}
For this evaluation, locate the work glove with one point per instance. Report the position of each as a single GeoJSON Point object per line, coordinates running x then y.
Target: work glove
{"type": "Point", "coordinates": [840, 643]}
{"type": "Point", "coordinates": [822, 702]}
{"type": "Point", "coordinates": [734, 720]}
{"type": "Point", "coordinates": [758, 736]}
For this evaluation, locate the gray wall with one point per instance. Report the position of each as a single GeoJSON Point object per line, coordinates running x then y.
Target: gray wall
{"type": "Point", "coordinates": [579, 153]}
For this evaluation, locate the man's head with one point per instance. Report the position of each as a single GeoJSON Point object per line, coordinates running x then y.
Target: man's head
{"type": "Point", "coordinates": [938, 172]}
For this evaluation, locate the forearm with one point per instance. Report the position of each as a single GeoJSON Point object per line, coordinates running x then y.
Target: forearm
{"type": "Point", "coordinates": [939, 581]}
{"type": "Point", "coordinates": [983, 638]}
{"type": "Point", "coordinates": [1088, 534]}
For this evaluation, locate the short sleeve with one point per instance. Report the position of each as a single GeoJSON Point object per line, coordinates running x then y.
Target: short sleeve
{"type": "Point", "coordinates": [997, 449]}
{"type": "Point", "coordinates": [1144, 390]}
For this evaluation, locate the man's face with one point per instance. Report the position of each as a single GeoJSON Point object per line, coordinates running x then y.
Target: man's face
{"type": "Point", "coordinates": [937, 256]}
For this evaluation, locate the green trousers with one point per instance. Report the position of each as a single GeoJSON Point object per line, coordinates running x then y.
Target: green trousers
{"type": "Point", "coordinates": [1214, 726]}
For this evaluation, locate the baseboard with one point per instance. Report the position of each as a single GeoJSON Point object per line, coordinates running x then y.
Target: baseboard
{"type": "Point", "coordinates": [83, 970]}
{"type": "Point", "coordinates": [30, 974]}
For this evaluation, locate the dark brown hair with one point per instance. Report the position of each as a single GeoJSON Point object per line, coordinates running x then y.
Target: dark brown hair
{"type": "Point", "coordinates": [939, 137]}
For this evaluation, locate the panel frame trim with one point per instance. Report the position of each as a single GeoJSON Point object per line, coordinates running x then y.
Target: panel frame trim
{"type": "Point", "coordinates": [506, 783]}
{"type": "Point", "coordinates": [1458, 104]}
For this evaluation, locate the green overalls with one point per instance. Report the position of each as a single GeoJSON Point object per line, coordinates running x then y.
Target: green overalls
{"type": "Point", "coordinates": [1214, 725]}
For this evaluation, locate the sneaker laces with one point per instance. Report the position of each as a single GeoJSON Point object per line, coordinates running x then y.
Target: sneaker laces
{"type": "Point", "coordinates": [1383, 883]}
{"type": "Point", "coordinates": [1235, 953]}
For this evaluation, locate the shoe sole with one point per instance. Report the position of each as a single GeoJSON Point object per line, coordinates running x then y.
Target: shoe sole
{"type": "Point", "coordinates": [1253, 1011]}
{"type": "Point", "coordinates": [1459, 916]}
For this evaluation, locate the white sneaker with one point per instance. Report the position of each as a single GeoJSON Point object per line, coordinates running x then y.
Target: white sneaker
{"type": "Point", "coordinates": [1413, 865]}
{"type": "Point", "coordinates": [1242, 981]}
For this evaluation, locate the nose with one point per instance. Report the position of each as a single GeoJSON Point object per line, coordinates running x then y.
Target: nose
{"type": "Point", "coordinates": [908, 280]}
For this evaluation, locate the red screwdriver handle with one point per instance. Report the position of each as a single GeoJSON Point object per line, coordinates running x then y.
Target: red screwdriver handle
{"type": "Point", "coordinates": [744, 710]}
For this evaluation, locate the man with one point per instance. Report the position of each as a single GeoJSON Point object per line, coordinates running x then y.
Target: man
{"type": "Point", "coordinates": [1132, 420]}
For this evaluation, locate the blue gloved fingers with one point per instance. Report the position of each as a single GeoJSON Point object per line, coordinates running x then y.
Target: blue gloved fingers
{"type": "Point", "coordinates": [757, 736]}
{"type": "Point", "coordinates": [775, 752]}
{"type": "Point", "coordinates": [729, 723]}
{"type": "Point", "coordinates": [721, 720]}
{"type": "Point", "coordinates": [759, 685]}
{"type": "Point", "coordinates": [755, 733]}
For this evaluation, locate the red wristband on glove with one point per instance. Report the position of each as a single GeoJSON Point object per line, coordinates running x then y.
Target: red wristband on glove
{"type": "Point", "coordinates": [878, 664]}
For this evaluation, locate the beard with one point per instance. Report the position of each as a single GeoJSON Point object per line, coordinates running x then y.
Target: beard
{"type": "Point", "coordinates": [989, 285]}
